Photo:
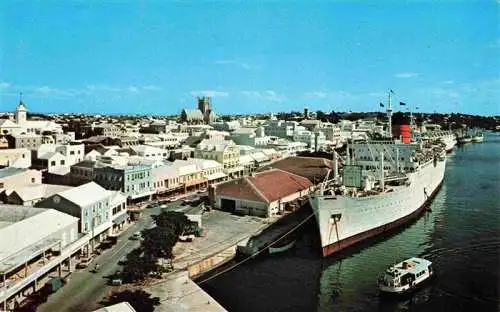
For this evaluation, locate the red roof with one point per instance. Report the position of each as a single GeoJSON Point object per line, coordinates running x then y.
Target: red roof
{"type": "Point", "coordinates": [313, 168]}
{"type": "Point", "coordinates": [267, 186]}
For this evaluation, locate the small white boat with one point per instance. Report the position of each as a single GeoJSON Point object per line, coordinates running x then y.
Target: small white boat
{"type": "Point", "coordinates": [465, 139]}
{"type": "Point", "coordinates": [405, 276]}
{"type": "Point", "coordinates": [478, 138]}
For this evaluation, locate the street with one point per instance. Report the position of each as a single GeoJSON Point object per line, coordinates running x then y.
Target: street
{"type": "Point", "coordinates": [85, 289]}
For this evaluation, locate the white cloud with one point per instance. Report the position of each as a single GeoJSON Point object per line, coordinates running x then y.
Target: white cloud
{"type": "Point", "coordinates": [448, 82]}
{"type": "Point", "coordinates": [95, 88]}
{"type": "Point", "coordinates": [54, 92]}
{"type": "Point", "coordinates": [133, 89]}
{"type": "Point", "coordinates": [268, 95]}
{"type": "Point", "coordinates": [316, 94]}
{"type": "Point", "coordinates": [234, 62]}
{"type": "Point", "coordinates": [4, 85]}
{"type": "Point", "coordinates": [152, 88]}
{"type": "Point", "coordinates": [406, 75]}
{"type": "Point", "coordinates": [210, 93]}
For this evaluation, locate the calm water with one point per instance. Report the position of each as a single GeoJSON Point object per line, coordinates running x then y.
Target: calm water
{"type": "Point", "coordinates": [461, 236]}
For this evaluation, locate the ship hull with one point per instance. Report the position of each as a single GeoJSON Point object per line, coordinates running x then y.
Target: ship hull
{"type": "Point", "coordinates": [369, 217]}
{"type": "Point", "coordinates": [477, 139]}
{"type": "Point", "coordinates": [338, 246]}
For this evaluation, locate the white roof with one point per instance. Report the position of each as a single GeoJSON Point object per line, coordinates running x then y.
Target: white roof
{"type": "Point", "coordinates": [175, 169]}
{"type": "Point", "coordinates": [146, 149]}
{"type": "Point", "coordinates": [24, 233]}
{"type": "Point", "coordinates": [204, 164]}
{"type": "Point", "coordinates": [246, 159]}
{"type": "Point", "coordinates": [414, 265]}
{"type": "Point", "coordinates": [188, 169]}
{"type": "Point", "coordinates": [215, 144]}
{"type": "Point", "coordinates": [85, 194]}
{"type": "Point", "coordinates": [259, 156]}
{"type": "Point", "coordinates": [216, 175]}
{"type": "Point", "coordinates": [50, 155]}
{"type": "Point", "coordinates": [38, 191]}
{"type": "Point", "coordinates": [117, 198]}
{"type": "Point", "coordinates": [5, 123]}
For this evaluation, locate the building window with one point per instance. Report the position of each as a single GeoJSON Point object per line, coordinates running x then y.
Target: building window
{"type": "Point", "coordinates": [53, 163]}
{"type": "Point", "coordinates": [72, 152]}
{"type": "Point", "coordinates": [62, 162]}
{"type": "Point", "coordinates": [32, 180]}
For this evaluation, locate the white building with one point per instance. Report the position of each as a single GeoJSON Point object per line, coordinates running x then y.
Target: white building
{"type": "Point", "coordinates": [225, 152]}
{"type": "Point", "coordinates": [250, 136]}
{"type": "Point", "coordinates": [151, 152]}
{"type": "Point", "coordinates": [33, 126]}
{"type": "Point", "coordinates": [16, 157]}
{"type": "Point", "coordinates": [280, 128]}
{"type": "Point", "coordinates": [287, 148]}
{"type": "Point", "coordinates": [33, 242]}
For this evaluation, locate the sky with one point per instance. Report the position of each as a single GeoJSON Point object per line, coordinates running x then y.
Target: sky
{"type": "Point", "coordinates": [156, 57]}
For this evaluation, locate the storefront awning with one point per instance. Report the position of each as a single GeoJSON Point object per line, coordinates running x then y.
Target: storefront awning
{"type": "Point", "coordinates": [217, 175]}
{"type": "Point", "coordinates": [120, 218]}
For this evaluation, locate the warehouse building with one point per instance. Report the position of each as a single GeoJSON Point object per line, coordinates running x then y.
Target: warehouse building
{"type": "Point", "coordinates": [263, 194]}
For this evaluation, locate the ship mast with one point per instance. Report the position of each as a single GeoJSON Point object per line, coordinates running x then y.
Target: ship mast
{"type": "Point", "coordinates": [389, 114]}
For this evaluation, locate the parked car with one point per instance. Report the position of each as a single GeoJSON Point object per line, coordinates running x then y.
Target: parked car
{"type": "Point", "coordinates": [83, 263]}
{"type": "Point", "coordinates": [122, 260]}
{"type": "Point", "coordinates": [54, 284]}
{"type": "Point", "coordinates": [186, 238]}
{"type": "Point", "coordinates": [136, 236]}
{"type": "Point", "coordinates": [116, 279]}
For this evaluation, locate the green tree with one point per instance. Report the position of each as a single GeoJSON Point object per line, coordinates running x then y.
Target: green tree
{"type": "Point", "coordinates": [177, 221]}
{"type": "Point", "coordinates": [321, 116]}
{"type": "Point", "coordinates": [159, 241]}
{"type": "Point", "coordinates": [138, 299]}
{"type": "Point", "coordinates": [139, 265]}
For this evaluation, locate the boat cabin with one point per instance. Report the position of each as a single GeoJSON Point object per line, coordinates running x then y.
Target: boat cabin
{"type": "Point", "coordinates": [405, 275]}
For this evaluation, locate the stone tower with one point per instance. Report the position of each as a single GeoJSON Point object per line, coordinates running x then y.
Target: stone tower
{"type": "Point", "coordinates": [205, 106]}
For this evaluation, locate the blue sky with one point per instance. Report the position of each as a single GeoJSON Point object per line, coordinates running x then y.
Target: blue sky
{"type": "Point", "coordinates": [157, 56]}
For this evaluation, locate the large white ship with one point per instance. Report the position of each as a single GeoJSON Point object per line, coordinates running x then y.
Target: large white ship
{"type": "Point", "coordinates": [383, 185]}
{"type": "Point", "coordinates": [433, 132]}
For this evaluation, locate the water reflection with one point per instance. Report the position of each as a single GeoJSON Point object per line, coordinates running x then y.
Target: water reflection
{"type": "Point", "coordinates": [351, 276]}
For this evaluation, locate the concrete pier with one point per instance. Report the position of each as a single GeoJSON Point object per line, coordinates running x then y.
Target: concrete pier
{"type": "Point", "coordinates": [179, 293]}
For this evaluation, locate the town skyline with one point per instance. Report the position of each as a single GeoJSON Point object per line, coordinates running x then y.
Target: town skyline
{"type": "Point", "coordinates": [157, 58]}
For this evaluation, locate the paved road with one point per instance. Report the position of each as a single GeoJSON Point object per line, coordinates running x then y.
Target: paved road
{"type": "Point", "coordinates": [85, 289]}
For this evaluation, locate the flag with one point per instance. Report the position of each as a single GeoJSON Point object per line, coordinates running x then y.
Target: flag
{"type": "Point", "coordinates": [401, 103]}
{"type": "Point", "coordinates": [381, 105]}
{"type": "Point", "coordinates": [416, 107]}
{"type": "Point", "coordinates": [391, 91]}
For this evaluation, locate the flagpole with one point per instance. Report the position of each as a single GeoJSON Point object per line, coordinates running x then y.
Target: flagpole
{"type": "Point", "coordinates": [389, 114]}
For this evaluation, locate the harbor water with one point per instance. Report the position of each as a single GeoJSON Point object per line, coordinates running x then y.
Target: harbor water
{"type": "Point", "coordinates": [461, 235]}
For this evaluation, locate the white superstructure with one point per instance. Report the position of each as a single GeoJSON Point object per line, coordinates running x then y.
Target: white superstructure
{"type": "Point", "coordinates": [370, 200]}
{"type": "Point", "coordinates": [405, 276]}
{"type": "Point", "coordinates": [446, 136]}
